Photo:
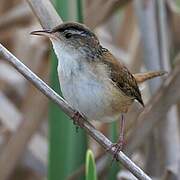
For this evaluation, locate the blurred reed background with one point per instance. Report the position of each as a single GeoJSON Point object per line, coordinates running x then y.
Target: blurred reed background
{"type": "Point", "coordinates": [37, 140]}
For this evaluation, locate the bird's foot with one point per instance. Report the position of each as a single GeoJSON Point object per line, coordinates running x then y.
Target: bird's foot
{"type": "Point", "coordinates": [116, 148]}
{"type": "Point", "coordinates": [77, 120]}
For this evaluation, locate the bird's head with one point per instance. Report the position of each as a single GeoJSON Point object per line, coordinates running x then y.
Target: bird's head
{"type": "Point", "coordinates": [74, 36]}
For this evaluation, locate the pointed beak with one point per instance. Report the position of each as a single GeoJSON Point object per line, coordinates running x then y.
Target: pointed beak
{"type": "Point", "coordinates": [45, 32]}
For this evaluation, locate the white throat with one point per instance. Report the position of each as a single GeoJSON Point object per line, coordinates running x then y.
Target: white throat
{"type": "Point", "coordinates": [68, 59]}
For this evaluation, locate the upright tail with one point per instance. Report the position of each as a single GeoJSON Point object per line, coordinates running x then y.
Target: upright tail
{"type": "Point", "coordinates": [141, 77]}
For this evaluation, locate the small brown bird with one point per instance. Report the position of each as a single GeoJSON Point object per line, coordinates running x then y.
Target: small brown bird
{"type": "Point", "coordinates": [92, 80]}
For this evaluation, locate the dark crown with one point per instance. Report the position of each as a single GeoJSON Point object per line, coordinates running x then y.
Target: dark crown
{"type": "Point", "coordinates": [74, 27]}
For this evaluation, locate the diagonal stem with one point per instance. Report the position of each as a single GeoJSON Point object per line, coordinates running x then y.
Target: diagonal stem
{"type": "Point", "coordinates": [52, 95]}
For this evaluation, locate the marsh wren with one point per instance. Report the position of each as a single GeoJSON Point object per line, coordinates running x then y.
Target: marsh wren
{"type": "Point", "coordinates": [92, 80]}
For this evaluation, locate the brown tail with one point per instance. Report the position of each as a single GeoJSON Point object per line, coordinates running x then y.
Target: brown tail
{"type": "Point", "coordinates": [141, 77]}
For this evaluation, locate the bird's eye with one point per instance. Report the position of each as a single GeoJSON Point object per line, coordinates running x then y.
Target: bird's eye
{"type": "Point", "coordinates": [68, 35]}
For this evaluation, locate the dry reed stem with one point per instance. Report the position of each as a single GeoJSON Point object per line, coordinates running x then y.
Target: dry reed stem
{"type": "Point", "coordinates": [45, 89]}
{"type": "Point", "coordinates": [48, 20]}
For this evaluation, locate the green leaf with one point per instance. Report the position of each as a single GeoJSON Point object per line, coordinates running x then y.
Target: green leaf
{"type": "Point", "coordinates": [66, 147]}
{"type": "Point", "coordinates": [178, 3]}
{"type": "Point", "coordinates": [79, 11]}
{"type": "Point", "coordinates": [90, 166]}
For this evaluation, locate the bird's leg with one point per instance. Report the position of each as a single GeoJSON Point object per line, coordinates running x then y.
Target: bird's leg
{"type": "Point", "coordinates": [119, 145]}
{"type": "Point", "coordinates": [77, 120]}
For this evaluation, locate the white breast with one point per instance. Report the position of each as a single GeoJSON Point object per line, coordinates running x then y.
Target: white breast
{"type": "Point", "coordinates": [81, 88]}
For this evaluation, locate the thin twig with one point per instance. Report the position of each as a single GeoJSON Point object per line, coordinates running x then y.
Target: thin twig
{"type": "Point", "coordinates": [49, 18]}
{"type": "Point", "coordinates": [51, 94]}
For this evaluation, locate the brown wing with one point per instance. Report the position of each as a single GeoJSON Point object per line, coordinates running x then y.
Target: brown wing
{"type": "Point", "coordinates": [122, 77]}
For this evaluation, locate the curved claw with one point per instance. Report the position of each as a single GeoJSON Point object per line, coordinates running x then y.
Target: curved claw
{"type": "Point", "coordinates": [77, 120]}
{"type": "Point", "coordinates": [116, 148]}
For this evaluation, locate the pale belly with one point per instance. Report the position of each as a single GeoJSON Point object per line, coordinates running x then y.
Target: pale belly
{"type": "Point", "coordinates": [88, 92]}
{"type": "Point", "coordinates": [97, 100]}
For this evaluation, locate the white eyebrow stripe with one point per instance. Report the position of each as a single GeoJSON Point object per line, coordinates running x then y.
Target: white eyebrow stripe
{"type": "Point", "coordinates": [73, 31]}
